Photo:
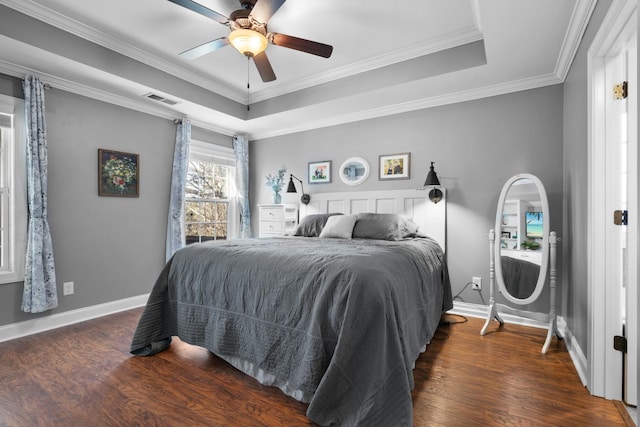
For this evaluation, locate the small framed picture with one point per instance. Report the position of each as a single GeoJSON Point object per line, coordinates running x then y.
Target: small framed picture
{"type": "Point", "coordinates": [118, 173]}
{"type": "Point", "coordinates": [394, 166]}
{"type": "Point", "coordinates": [505, 234]}
{"type": "Point", "coordinates": [320, 172]}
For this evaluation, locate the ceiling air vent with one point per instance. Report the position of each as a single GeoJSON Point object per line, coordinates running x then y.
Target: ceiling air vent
{"type": "Point", "coordinates": [160, 99]}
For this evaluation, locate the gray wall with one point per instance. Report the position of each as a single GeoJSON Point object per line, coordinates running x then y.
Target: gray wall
{"type": "Point", "coordinates": [476, 145]}
{"type": "Point", "coordinates": [111, 247]}
{"type": "Point", "coordinates": [575, 179]}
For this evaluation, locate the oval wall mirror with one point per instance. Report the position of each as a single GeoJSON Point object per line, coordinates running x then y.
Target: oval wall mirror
{"type": "Point", "coordinates": [522, 239]}
{"type": "Point", "coordinates": [354, 171]}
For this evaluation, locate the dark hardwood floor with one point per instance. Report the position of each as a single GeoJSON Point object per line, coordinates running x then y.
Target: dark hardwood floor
{"type": "Point", "coordinates": [83, 375]}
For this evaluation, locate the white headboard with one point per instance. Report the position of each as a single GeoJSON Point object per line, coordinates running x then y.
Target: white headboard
{"type": "Point", "coordinates": [430, 217]}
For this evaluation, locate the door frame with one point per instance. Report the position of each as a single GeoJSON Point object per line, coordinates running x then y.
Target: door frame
{"type": "Point", "coordinates": [605, 363]}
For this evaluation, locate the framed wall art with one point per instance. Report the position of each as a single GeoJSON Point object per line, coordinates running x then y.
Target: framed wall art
{"type": "Point", "coordinates": [354, 171]}
{"type": "Point", "coordinates": [394, 166]}
{"type": "Point", "coordinates": [118, 173]}
{"type": "Point", "coordinates": [320, 172]}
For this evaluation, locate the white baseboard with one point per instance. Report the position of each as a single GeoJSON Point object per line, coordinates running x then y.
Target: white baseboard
{"type": "Point", "coordinates": [467, 309]}
{"type": "Point", "coordinates": [481, 311]}
{"type": "Point", "coordinates": [575, 352]}
{"type": "Point", "coordinates": [577, 355]}
{"type": "Point", "coordinates": [58, 320]}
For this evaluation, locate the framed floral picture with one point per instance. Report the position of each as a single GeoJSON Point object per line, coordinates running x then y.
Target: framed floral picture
{"type": "Point", "coordinates": [320, 172]}
{"type": "Point", "coordinates": [394, 166]}
{"type": "Point", "coordinates": [118, 173]}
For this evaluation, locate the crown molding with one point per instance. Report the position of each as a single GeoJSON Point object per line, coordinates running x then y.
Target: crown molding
{"type": "Point", "coordinates": [419, 104]}
{"type": "Point", "coordinates": [577, 26]}
{"type": "Point", "coordinates": [139, 105]}
{"type": "Point", "coordinates": [170, 114]}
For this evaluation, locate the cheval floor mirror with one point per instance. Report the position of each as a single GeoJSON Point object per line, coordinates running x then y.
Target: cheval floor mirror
{"type": "Point", "coordinates": [522, 250]}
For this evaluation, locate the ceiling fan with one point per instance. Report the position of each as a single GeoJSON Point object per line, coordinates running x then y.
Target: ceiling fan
{"type": "Point", "coordinates": [249, 34]}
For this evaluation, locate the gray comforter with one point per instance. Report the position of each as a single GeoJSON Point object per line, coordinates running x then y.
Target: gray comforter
{"type": "Point", "coordinates": [341, 320]}
{"type": "Point", "coordinates": [520, 276]}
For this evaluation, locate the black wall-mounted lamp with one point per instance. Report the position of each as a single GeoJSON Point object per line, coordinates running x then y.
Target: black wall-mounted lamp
{"type": "Point", "coordinates": [291, 188]}
{"type": "Point", "coordinates": [435, 195]}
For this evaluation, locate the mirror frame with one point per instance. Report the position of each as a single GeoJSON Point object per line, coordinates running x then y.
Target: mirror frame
{"type": "Point", "coordinates": [542, 276]}
{"type": "Point", "coordinates": [362, 163]}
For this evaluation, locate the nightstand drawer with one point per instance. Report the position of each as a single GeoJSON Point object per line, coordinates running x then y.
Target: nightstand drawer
{"type": "Point", "coordinates": [275, 214]}
{"type": "Point", "coordinates": [271, 227]}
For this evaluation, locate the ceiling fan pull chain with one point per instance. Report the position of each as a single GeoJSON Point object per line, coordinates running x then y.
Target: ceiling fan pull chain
{"type": "Point", "coordinates": [248, 86]}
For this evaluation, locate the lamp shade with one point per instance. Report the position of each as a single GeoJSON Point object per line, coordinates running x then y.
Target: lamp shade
{"type": "Point", "coordinates": [248, 42]}
{"type": "Point", "coordinates": [435, 195]}
{"type": "Point", "coordinates": [432, 179]}
{"type": "Point", "coordinates": [291, 188]}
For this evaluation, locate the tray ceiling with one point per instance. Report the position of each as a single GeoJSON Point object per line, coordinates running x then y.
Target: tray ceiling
{"type": "Point", "coordinates": [388, 57]}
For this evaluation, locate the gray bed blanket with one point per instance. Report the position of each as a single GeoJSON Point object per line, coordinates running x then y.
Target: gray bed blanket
{"type": "Point", "coordinates": [520, 276]}
{"type": "Point", "coordinates": [341, 320]}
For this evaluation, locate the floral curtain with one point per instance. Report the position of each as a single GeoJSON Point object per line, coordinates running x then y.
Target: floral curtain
{"type": "Point", "coordinates": [175, 223]}
{"type": "Point", "coordinates": [40, 293]}
{"type": "Point", "coordinates": [241, 150]}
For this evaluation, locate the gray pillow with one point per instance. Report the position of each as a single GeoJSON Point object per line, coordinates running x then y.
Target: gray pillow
{"type": "Point", "coordinates": [339, 227]}
{"type": "Point", "coordinates": [312, 225]}
{"type": "Point", "coordinates": [384, 226]}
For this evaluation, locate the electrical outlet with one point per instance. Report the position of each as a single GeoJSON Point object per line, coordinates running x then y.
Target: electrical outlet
{"type": "Point", "coordinates": [476, 283]}
{"type": "Point", "coordinates": [67, 288]}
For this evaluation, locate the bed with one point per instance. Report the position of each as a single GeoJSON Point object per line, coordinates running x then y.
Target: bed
{"type": "Point", "coordinates": [335, 316]}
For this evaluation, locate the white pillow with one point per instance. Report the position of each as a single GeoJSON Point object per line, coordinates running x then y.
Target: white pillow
{"type": "Point", "coordinates": [339, 227]}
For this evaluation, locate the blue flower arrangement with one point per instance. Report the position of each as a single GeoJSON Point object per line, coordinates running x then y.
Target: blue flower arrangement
{"type": "Point", "coordinates": [277, 181]}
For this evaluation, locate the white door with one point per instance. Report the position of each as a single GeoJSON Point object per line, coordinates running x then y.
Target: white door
{"type": "Point", "coordinates": [621, 131]}
{"type": "Point", "coordinates": [613, 185]}
{"type": "Point", "coordinates": [633, 242]}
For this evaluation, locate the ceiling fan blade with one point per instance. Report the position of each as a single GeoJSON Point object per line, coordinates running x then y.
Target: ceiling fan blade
{"type": "Point", "coordinates": [263, 10]}
{"type": "Point", "coordinates": [204, 11]}
{"type": "Point", "coordinates": [205, 48]}
{"type": "Point", "coordinates": [307, 46]}
{"type": "Point", "coordinates": [264, 67]}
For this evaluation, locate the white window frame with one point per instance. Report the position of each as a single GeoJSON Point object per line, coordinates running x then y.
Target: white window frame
{"type": "Point", "coordinates": [226, 153]}
{"type": "Point", "coordinates": [14, 192]}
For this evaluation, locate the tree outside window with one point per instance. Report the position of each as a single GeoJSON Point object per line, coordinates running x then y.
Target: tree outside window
{"type": "Point", "coordinates": [207, 200]}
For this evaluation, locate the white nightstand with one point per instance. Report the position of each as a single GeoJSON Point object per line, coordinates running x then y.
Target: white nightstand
{"type": "Point", "coordinates": [277, 220]}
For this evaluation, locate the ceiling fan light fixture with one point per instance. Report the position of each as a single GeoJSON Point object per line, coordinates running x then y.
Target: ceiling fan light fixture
{"type": "Point", "coordinates": [248, 42]}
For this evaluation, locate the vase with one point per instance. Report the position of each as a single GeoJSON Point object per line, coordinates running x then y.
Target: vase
{"type": "Point", "coordinates": [277, 198]}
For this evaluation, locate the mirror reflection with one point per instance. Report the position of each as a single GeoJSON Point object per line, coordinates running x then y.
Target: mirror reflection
{"type": "Point", "coordinates": [521, 238]}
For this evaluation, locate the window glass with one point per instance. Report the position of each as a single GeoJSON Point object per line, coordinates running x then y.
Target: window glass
{"type": "Point", "coordinates": [5, 200]}
{"type": "Point", "coordinates": [208, 193]}
{"type": "Point", "coordinates": [13, 204]}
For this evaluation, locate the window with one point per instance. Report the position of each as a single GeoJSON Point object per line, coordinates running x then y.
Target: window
{"type": "Point", "coordinates": [210, 193]}
{"type": "Point", "coordinates": [13, 203]}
